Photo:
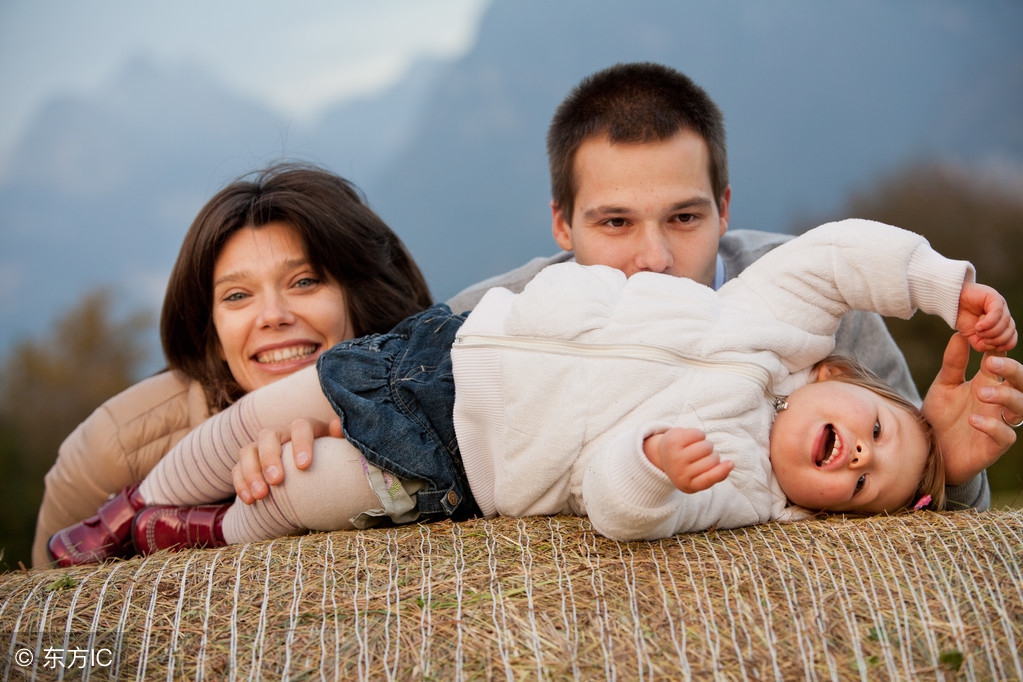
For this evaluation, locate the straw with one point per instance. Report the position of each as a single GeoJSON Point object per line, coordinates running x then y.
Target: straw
{"type": "Point", "coordinates": [922, 595]}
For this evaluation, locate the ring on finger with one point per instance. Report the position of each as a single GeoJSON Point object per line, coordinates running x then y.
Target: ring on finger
{"type": "Point", "coordinates": [1010, 424]}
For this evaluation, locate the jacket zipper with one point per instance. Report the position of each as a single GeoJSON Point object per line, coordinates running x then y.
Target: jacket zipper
{"type": "Point", "coordinates": [629, 351]}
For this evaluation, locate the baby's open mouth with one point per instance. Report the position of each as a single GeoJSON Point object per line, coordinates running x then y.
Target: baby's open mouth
{"type": "Point", "coordinates": [832, 444]}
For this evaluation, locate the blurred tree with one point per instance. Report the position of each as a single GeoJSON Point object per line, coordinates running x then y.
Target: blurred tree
{"type": "Point", "coordinates": [967, 214]}
{"type": "Point", "coordinates": [47, 387]}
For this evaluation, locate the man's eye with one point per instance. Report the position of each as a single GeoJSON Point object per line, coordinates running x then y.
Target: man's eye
{"type": "Point", "coordinates": [615, 222]}
{"type": "Point", "coordinates": [685, 217]}
{"type": "Point", "coordinates": [877, 430]}
{"type": "Point", "coordinates": [860, 482]}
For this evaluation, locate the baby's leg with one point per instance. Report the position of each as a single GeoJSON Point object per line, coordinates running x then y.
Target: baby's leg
{"type": "Point", "coordinates": [198, 469]}
{"type": "Point", "coordinates": [326, 496]}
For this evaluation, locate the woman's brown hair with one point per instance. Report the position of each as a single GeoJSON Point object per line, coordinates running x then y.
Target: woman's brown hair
{"type": "Point", "coordinates": [344, 239]}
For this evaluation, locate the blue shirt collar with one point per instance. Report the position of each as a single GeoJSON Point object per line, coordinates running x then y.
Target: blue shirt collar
{"type": "Point", "coordinates": [719, 273]}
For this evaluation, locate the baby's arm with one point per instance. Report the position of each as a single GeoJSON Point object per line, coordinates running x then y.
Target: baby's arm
{"type": "Point", "coordinates": [636, 487]}
{"type": "Point", "coordinates": [687, 458]}
{"type": "Point", "coordinates": [984, 319]}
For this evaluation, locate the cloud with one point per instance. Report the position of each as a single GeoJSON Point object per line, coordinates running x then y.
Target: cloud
{"type": "Point", "coordinates": [297, 57]}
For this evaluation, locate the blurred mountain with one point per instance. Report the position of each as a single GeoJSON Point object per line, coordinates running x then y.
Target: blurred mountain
{"type": "Point", "coordinates": [108, 183]}
{"type": "Point", "coordinates": [819, 99]}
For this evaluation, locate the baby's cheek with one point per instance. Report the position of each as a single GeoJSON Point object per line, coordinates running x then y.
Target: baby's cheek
{"type": "Point", "coordinates": [810, 492]}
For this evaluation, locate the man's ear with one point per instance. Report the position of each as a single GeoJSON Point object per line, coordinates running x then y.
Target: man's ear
{"type": "Point", "coordinates": [726, 199]}
{"type": "Point", "coordinates": [561, 228]}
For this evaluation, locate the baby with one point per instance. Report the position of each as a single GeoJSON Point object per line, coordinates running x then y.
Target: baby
{"type": "Point", "coordinates": [651, 404]}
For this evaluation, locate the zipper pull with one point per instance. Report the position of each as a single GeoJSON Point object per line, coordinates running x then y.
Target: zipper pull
{"type": "Point", "coordinates": [780, 403]}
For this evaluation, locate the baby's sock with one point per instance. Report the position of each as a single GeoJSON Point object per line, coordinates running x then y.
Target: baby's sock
{"type": "Point", "coordinates": [198, 469]}
{"type": "Point", "coordinates": [326, 496]}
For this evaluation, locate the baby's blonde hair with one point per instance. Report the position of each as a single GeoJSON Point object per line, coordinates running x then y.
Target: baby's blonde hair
{"type": "Point", "coordinates": [932, 480]}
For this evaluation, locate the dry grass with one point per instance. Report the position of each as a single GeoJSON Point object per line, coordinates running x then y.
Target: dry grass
{"type": "Point", "coordinates": [926, 595]}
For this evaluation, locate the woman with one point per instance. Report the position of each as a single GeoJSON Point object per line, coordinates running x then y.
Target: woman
{"type": "Point", "coordinates": [276, 268]}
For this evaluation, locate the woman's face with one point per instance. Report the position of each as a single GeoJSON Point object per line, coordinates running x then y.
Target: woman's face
{"type": "Point", "coordinates": [273, 314]}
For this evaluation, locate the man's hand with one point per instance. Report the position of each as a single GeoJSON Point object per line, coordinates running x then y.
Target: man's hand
{"type": "Point", "coordinates": [259, 464]}
{"type": "Point", "coordinates": [967, 416]}
{"type": "Point", "coordinates": [688, 459]}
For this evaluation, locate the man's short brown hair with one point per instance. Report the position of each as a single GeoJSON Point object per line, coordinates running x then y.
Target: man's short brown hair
{"type": "Point", "coordinates": [632, 103]}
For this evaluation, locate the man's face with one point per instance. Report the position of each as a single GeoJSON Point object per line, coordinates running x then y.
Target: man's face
{"type": "Point", "coordinates": [645, 207]}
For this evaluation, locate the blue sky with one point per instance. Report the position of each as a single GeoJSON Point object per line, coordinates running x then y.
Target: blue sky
{"type": "Point", "coordinates": [297, 57]}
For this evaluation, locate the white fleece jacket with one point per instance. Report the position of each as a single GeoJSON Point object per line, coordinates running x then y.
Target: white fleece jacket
{"type": "Point", "coordinates": [557, 387]}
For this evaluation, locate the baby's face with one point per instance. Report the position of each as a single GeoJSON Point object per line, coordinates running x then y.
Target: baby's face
{"type": "Point", "coordinates": [841, 447]}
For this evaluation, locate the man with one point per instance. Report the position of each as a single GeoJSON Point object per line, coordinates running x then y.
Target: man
{"type": "Point", "coordinates": [639, 180]}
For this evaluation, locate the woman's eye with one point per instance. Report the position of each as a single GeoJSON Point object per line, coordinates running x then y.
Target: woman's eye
{"type": "Point", "coordinates": [860, 482]}
{"type": "Point", "coordinates": [307, 282]}
{"type": "Point", "coordinates": [877, 430]}
{"type": "Point", "coordinates": [234, 298]}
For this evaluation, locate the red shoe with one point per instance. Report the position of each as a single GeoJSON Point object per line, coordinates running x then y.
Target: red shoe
{"type": "Point", "coordinates": [98, 538]}
{"type": "Point", "coordinates": [168, 527]}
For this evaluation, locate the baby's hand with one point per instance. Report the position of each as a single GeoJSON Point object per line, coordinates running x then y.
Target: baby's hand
{"type": "Point", "coordinates": [984, 319]}
{"type": "Point", "coordinates": [688, 459]}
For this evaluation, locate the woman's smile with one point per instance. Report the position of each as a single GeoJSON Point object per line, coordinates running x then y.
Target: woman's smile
{"type": "Point", "coordinates": [274, 313]}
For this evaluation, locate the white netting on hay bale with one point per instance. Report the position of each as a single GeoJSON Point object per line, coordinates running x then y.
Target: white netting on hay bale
{"type": "Point", "coordinates": [932, 595]}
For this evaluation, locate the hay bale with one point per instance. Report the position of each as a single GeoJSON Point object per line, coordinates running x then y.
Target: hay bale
{"type": "Point", "coordinates": [933, 595]}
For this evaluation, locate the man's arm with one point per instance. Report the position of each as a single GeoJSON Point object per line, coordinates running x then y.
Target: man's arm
{"type": "Point", "coordinates": [513, 280]}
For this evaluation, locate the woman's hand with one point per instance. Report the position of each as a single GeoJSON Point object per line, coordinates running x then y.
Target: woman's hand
{"type": "Point", "coordinates": [259, 464]}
